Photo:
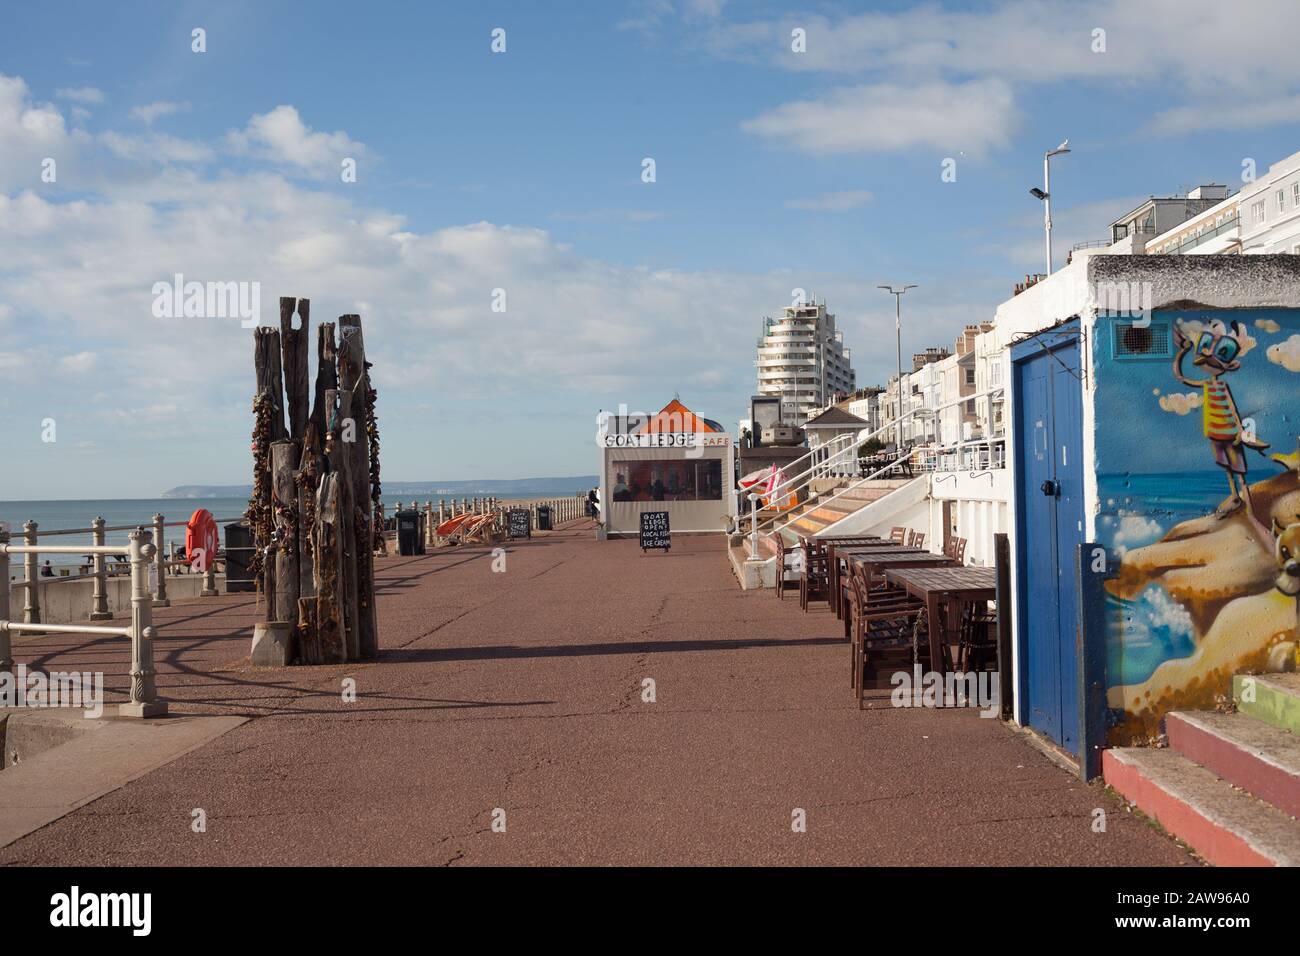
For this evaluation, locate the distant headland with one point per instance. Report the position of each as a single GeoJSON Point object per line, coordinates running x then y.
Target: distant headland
{"type": "Point", "coordinates": [501, 487]}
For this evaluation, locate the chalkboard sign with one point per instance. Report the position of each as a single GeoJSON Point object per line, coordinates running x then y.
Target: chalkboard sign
{"type": "Point", "coordinates": [519, 523]}
{"type": "Point", "coordinates": [654, 530]}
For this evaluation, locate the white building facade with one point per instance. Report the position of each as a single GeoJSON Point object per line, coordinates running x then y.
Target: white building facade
{"type": "Point", "coordinates": [1270, 210]}
{"type": "Point", "coordinates": [803, 359]}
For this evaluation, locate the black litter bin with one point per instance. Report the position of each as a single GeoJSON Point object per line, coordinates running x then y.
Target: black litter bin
{"type": "Point", "coordinates": [543, 517]}
{"type": "Point", "coordinates": [409, 539]}
{"type": "Point", "coordinates": [239, 556]}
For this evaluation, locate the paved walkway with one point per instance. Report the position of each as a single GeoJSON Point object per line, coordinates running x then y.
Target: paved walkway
{"type": "Point", "coordinates": [522, 691]}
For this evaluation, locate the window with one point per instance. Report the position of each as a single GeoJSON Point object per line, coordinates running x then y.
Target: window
{"type": "Point", "coordinates": [1281, 201]}
{"type": "Point", "coordinates": [970, 376]}
{"type": "Point", "coordinates": [1295, 194]}
{"type": "Point", "coordinates": [670, 480]}
{"type": "Point", "coordinates": [1257, 212]}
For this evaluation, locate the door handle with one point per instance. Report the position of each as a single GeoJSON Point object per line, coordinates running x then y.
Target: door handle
{"type": "Point", "coordinates": [1050, 488]}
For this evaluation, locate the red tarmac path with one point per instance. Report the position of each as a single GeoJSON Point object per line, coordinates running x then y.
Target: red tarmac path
{"type": "Point", "coordinates": [522, 690]}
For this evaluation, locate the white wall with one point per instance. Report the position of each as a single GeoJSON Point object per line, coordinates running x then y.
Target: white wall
{"type": "Point", "coordinates": [981, 506]}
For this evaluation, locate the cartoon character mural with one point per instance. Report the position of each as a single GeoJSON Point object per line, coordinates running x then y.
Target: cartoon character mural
{"type": "Point", "coordinates": [1216, 350]}
{"type": "Point", "coordinates": [1207, 584]}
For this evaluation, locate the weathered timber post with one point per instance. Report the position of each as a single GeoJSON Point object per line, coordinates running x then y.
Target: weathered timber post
{"type": "Point", "coordinates": [327, 642]}
{"type": "Point", "coordinates": [284, 497]}
{"type": "Point", "coordinates": [294, 346]}
{"type": "Point", "coordinates": [99, 607]}
{"type": "Point", "coordinates": [354, 380]}
{"type": "Point", "coordinates": [327, 378]}
{"type": "Point", "coordinates": [266, 360]}
{"type": "Point", "coordinates": [144, 696]}
{"type": "Point", "coordinates": [160, 563]}
{"type": "Point", "coordinates": [31, 574]}
{"type": "Point", "coordinates": [349, 513]}
{"type": "Point", "coordinates": [268, 405]}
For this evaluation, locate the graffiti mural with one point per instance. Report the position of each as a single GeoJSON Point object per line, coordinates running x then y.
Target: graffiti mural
{"type": "Point", "coordinates": [1197, 477]}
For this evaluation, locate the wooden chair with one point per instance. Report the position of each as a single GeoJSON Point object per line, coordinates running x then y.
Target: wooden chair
{"type": "Point", "coordinates": [977, 643]}
{"type": "Point", "coordinates": [898, 535]}
{"type": "Point", "coordinates": [814, 583]}
{"type": "Point", "coordinates": [790, 566]}
{"type": "Point", "coordinates": [881, 618]}
{"type": "Point", "coordinates": [918, 541]}
{"type": "Point", "coordinates": [956, 549]}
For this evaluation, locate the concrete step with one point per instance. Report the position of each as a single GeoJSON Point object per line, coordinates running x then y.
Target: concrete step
{"type": "Point", "coordinates": [1272, 698]}
{"type": "Point", "coordinates": [865, 494]}
{"type": "Point", "coordinates": [1225, 826]}
{"type": "Point", "coordinates": [1248, 753]}
{"type": "Point", "coordinates": [809, 524]}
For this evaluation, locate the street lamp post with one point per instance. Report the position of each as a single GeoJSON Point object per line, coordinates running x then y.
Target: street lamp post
{"type": "Point", "coordinates": [898, 342]}
{"type": "Point", "coordinates": [1045, 194]}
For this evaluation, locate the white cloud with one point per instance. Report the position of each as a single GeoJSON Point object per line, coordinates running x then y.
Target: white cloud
{"type": "Point", "coordinates": [969, 117]}
{"type": "Point", "coordinates": [1268, 325]}
{"type": "Point", "coordinates": [1228, 115]}
{"type": "Point", "coordinates": [1134, 531]}
{"type": "Point", "coordinates": [156, 110]}
{"type": "Point", "coordinates": [1034, 41]}
{"type": "Point", "coordinates": [832, 202]}
{"type": "Point", "coordinates": [281, 136]}
{"type": "Point", "coordinates": [80, 363]}
{"type": "Point", "coordinates": [1180, 403]}
{"type": "Point", "coordinates": [81, 94]}
{"type": "Point", "coordinates": [1028, 43]}
{"type": "Point", "coordinates": [29, 132]}
{"type": "Point", "coordinates": [1286, 354]}
{"type": "Point", "coordinates": [156, 147]}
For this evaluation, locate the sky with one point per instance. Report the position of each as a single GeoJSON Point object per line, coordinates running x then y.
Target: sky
{"type": "Point", "coordinates": [523, 169]}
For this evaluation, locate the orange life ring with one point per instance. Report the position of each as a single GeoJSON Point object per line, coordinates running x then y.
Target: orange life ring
{"type": "Point", "coordinates": [201, 541]}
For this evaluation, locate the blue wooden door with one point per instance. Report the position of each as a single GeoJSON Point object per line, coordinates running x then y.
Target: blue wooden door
{"type": "Point", "coordinates": [1049, 419]}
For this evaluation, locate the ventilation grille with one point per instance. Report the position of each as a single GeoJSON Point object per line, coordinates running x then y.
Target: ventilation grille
{"type": "Point", "coordinates": [1134, 341]}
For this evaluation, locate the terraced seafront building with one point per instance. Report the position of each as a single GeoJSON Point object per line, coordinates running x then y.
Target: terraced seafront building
{"type": "Point", "coordinates": [802, 358]}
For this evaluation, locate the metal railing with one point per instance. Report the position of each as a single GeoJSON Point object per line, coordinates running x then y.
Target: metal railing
{"type": "Point", "coordinates": [98, 531]}
{"type": "Point", "coordinates": [852, 446]}
{"type": "Point", "coordinates": [973, 454]}
{"type": "Point", "coordinates": [144, 701]}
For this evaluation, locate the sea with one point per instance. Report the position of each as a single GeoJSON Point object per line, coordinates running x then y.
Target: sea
{"type": "Point", "coordinates": [1138, 510]}
{"type": "Point", "coordinates": [129, 512]}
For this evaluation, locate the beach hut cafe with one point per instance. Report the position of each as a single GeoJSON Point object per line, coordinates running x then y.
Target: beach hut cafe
{"type": "Point", "coordinates": [673, 461]}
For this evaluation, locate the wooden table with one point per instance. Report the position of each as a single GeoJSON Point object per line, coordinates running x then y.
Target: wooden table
{"type": "Point", "coordinates": [873, 564]}
{"type": "Point", "coordinates": [944, 589]}
{"type": "Point", "coordinates": [835, 553]}
{"type": "Point", "coordinates": [840, 541]}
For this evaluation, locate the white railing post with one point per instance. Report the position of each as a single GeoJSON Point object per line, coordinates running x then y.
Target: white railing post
{"type": "Point", "coordinates": [442, 510]}
{"type": "Point", "coordinates": [6, 647]}
{"type": "Point", "coordinates": [31, 573]}
{"type": "Point", "coordinates": [209, 588]}
{"type": "Point", "coordinates": [160, 567]}
{"type": "Point", "coordinates": [100, 610]}
{"type": "Point", "coordinates": [753, 529]}
{"type": "Point", "coordinates": [144, 697]}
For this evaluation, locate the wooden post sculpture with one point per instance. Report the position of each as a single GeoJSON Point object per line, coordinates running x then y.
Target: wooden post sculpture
{"type": "Point", "coordinates": [316, 486]}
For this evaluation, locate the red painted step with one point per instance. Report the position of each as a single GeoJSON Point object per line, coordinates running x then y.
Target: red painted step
{"type": "Point", "coordinates": [1225, 826]}
{"type": "Point", "coordinates": [1248, 753]}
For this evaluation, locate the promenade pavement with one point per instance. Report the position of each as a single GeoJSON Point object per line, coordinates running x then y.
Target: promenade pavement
{"type": "Point", "coordinates": [523, 691]}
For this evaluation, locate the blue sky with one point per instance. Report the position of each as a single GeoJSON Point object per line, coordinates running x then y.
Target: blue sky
{"type": "Point", "coordinates": [775, 170]}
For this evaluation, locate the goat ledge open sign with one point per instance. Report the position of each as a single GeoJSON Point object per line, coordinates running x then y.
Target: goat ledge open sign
{"type": "Point", "coordinates": [654, 530]}
{"type": "Point", "coordinates": [519, 523]}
